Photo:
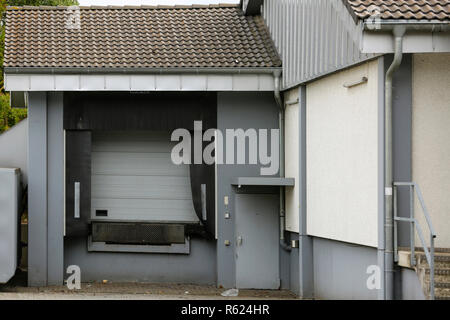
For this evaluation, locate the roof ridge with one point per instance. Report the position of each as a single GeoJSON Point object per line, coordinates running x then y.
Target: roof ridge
{"type": "Point", "coordinates": [94, 7]}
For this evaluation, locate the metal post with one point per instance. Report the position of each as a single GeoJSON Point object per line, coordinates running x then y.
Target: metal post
{"type": "Point", "coordinates": [395, 225]}
{"type": "Point", "coordinates": [432, 266]}
{"type": "Point", "coordinates": [412, 226]}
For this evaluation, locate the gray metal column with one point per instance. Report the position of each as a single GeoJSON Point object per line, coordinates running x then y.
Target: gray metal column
{"type": "Point", "coordinates": [306, 272]}
{"type": "Point", "coordinates": [37, 189]}
{"type": "Point", "coordinates": [55, 200]}
{"type": "Point", "coordinates": [402, 138]}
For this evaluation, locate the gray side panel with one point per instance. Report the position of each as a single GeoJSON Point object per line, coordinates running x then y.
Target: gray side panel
{"type": "Point", "coordinates": [78, 170]}
{"type": "Point", "coordinates": [199, 267]}
{"type": "Point", "coordinates": [294, 268]}
{"type": "Point", "coordinates": [37, 189]}
{"type": "Point", "coordinates": [340, 270]}
{"type": "Point", "coordinates": [55, 154]}
{"type": "Point", "coordinates": [284, 265]}
{"type": "Point", "coordinates": [402, 137]}
{"type": "Point", "coordinates": [237, 110]}
{"type": "Point", "coordinates": [306, 268]}
{"type": "Point", "coordinates": [410, 286]}
{"type": "Point", "coordinates": [313, 37]}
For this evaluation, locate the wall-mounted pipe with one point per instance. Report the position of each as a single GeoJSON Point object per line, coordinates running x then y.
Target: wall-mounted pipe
{"type": "Point", "coordinates": [399, 33]}
{"type": "Point", "coordinates": [281, 106]}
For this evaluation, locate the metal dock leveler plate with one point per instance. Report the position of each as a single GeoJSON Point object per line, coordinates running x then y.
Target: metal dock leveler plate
{"type": "Point", "coordinates": [138, 233]}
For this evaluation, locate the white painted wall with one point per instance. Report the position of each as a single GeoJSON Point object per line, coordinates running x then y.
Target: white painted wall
{"type": "Point", "coordinates": [292, 132]}
{"type": "Point", "coordinates": [14, 149]}
{"type": "Point", "coordinates": [431, 140]}
{"type": "Point", "coordinates": [342, 157]}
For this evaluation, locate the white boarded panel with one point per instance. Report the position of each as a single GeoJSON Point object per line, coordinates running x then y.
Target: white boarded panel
{"type": "Point", "coordinates": [117, 82]}
{"type": "Point", "coordinates": [342, 157]}
{"type": "Point", "coordinates": [193, 83]}
{"type": "Point", "coordinates": [168, 82]}
{"type": "Point", "coordinates": [126, 82]}
{"type": "Point", "coordinates": [143, 82]}
{"type": "Point", "coordinates": [67, 82]}
{"type": "Point", "coordinates": [17, 82]}
{"type": "Point", "coordinates": [92, 82]}
{"type": "Point", "coordinates": [133, 178]}
{"type": "Point", "coordinates": [42, 82]}
{"type": "Point", "coordinates": [220, 82]}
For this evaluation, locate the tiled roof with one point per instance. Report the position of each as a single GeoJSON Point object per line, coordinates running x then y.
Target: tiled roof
{"type": "Point", "coordinates": [140, 37]}
{"type": "Point", "coordinates": [402, 9]}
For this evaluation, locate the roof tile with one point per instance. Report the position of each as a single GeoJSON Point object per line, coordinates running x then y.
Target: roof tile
{"type": "Point", "coordinates": [402, 9]}
{"type": "Point", "coordinates": [138, 37]}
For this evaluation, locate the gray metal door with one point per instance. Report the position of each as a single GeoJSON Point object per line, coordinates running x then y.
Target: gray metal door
{"type": "Point", "coordinates": [257, 244]}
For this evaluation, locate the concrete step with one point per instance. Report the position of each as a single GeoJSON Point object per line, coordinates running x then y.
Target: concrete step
{"type": "Point", "coordinates": [436, 250]}
{"type": "Point", "coordinates": [437, 265]}
{"type": "Point", "coordinates": [438, 271]}
{"type": "Point", "coordinates": [420, 249]}
{"type": "Point", "coordinates": [438, 257]}
{"type": "Point", "coordinates": [443, 285]}
{"type": "Point", "coordinates": [442, 292]}
{"type": "Point", "coordinates": [441, 270]}
{"type": "Point", "coordinates": [439, 282]}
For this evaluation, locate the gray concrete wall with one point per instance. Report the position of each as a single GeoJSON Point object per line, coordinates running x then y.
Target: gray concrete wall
{"type": "Point", "coordinates": [37, 189]}
{"type": "Point", "coordinates": [45, 189]}
{"type": "Point", "coordinates": [411, 288]}
{"type": "Point", "coordinates": [55, 188]}
{"type": "Point", "coordinates": [340, 270]}
{"type": "Point", "coordinates": [238, 110]}
{"type": "Point", "coordinates": [199, 267]}
{"type": "Point", "coordinates": [208, 263]}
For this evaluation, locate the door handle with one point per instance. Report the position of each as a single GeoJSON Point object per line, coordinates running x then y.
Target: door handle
{"type": "Point", "coordinates": [76, 212]}
{"type": "Point", "coordinates": [239, 241]}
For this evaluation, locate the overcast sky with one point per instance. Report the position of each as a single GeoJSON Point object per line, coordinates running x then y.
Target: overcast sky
{"type": "Point", "coordinates": [150, 2]}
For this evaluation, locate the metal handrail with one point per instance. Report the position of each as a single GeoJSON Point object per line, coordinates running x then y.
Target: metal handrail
{"type": "Point", "coordinates": [414, 225]}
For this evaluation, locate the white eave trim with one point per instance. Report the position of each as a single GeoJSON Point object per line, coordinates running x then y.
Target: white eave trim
{"type": "Point", "coordinates": [140, 82]}
{"type": "Point", "coordinates": [422, 37]}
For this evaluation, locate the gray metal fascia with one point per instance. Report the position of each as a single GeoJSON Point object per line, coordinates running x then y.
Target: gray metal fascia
{"type": "Point", "coordinates": [54, 70]}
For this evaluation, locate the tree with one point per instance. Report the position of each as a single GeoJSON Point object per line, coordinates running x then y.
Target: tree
{"type": "Point", "coordinates": [10, 116]}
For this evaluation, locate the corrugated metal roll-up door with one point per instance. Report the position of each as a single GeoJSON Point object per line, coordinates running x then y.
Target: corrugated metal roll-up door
{"type": "Point", "coordinates": [134, 179]}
